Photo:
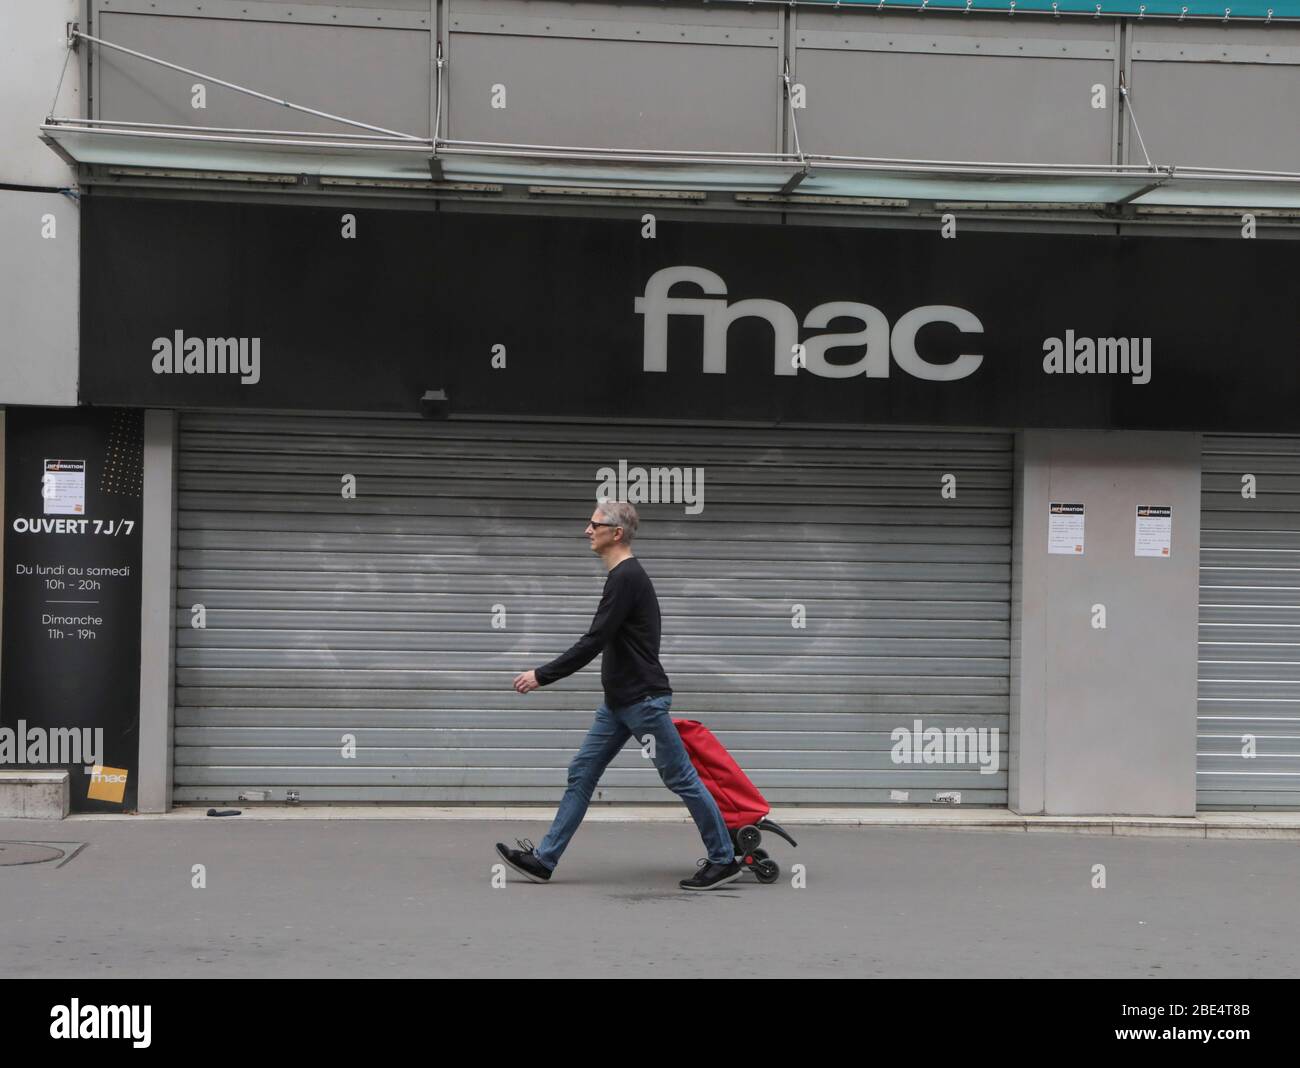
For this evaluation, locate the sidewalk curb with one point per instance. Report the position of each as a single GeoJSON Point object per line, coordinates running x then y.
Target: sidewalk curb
{"type": "Point", "coordinates": [1253, 825]}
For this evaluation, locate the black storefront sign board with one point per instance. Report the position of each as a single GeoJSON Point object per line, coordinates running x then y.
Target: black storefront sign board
{"type": "Point", "coordinates": [70, 651]}
{"type": "Point", "coordinates": [554, 316]}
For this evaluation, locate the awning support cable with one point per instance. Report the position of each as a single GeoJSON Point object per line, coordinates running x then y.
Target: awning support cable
{"type": "Point", "coordinates": [59, 88]}
{"type": "Point", "coordinates": [244, 89]}
{"type": "Point", "coordinates": [1123, 92]}
{"type": "Point", "coordinates": [799, 176]}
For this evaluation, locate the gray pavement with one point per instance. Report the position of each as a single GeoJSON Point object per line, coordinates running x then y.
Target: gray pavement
{"type": "Point", "coordinates": [347, 898]}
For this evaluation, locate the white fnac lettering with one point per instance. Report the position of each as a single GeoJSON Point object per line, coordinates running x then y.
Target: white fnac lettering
{"type": "Point", "coordinates": [876, 336]}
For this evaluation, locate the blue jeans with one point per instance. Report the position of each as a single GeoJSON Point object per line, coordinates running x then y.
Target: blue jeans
{"type": "Point", "coordinates": [611, 728]}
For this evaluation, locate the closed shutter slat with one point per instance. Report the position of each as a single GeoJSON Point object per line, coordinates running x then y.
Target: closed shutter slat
{"type": "Point", "coordinates": [373, 615]}
{"type": "Point", "coordinates": [1249, 653]}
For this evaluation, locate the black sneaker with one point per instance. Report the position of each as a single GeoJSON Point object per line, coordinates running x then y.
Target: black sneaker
{"type": "Point", "coordinates": [523, 861]}
{"type": "Point", "coordinates": [711, 876]}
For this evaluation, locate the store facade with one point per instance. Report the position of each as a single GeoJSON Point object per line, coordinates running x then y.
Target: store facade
{"type": "Point", "coordinates": [964, 482]}
{"type": "Point", "coordinates": [388, 428]}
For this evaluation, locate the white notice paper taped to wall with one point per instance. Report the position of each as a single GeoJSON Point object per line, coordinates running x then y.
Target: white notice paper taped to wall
{"type": "Point", "coordinates": [64, 487]}
{"type": "Point", "coordinates": [1065, 529]}
{"type": "Point", "coordinates": [1154, 533]}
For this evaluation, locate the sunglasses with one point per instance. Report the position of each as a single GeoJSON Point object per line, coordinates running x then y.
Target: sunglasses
{"type": "Point", "coordinates": [604, 524]}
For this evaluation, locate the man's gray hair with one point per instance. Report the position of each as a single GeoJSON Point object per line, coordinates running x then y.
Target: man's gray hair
{"type": "Point", "coordinates": [621, 513]}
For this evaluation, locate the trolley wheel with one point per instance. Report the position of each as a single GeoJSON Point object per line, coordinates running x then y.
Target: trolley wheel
{"type": "Point", "coordinates": [747, 838]}
{"type": "Point", "coordinates": [767, 871]}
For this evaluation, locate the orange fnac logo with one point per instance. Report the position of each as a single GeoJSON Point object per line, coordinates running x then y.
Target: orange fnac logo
{"type": "Point", "coordinates": [107, 784]}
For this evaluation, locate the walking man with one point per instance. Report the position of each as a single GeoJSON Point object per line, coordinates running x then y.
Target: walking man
{"type": "Point", "coordinates": [637, 698]}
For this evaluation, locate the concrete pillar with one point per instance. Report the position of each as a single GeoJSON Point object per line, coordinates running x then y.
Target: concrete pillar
{"type": "Point", "coordinates": [157, 597]}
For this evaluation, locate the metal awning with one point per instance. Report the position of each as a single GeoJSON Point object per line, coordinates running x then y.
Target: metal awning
{"type": "Point", "coordinates": [1265, 11]}
{"type": "Point", "coordinates": [366, 153]}
{"type": "Point", "coordinates": [266, 154]}
{"type": "Point", "coordinates": [208, 150]}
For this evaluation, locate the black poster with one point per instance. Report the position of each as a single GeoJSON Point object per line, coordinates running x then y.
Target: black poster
{"type": "Point", "coordinates": [70, 654]}
{"type": "Point", "coordinates": [248, 306]}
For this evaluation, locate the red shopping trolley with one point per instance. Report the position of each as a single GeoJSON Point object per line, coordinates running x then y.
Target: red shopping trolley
{"type": "Point", "coordinates": [743, 808]}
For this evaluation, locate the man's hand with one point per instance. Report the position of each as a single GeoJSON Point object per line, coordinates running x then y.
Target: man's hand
{"type": "Point", "coordinates": [525, 681]}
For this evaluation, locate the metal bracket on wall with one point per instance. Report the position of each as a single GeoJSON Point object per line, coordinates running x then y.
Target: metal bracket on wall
{"type": "Point", "coordinates": [1122, 204]}
{"type": "Point", "coordinates": [437, 73]}
{"type": "Point", "coordinates": [435, 166]}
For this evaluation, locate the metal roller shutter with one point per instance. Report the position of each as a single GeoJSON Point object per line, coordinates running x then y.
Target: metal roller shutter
{"type": "Point", "coordinates": [1249, 673]}
{"type": "Point", "coordinates": [373, 616]}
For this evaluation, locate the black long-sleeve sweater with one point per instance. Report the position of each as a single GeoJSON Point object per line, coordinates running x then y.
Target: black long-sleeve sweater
{"type": "Point", "coordinates": [626, 627]}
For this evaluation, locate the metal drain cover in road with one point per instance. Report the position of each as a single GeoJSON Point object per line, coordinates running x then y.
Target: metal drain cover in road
{"type": "Point", "coordinates": [26, 853]}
